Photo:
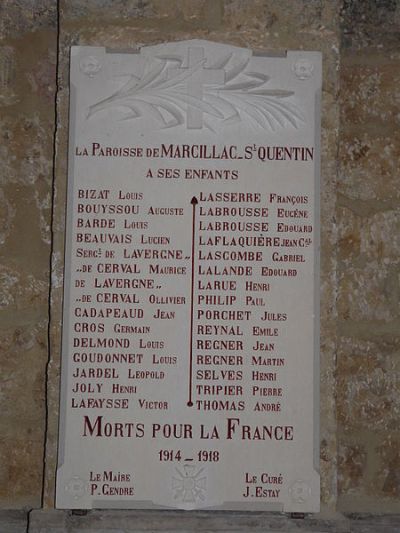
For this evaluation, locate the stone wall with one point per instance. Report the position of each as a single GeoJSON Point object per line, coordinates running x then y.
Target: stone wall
{"type": "Point", "coordinates": [368, 204]}
{"type": "Point", "coordinates": [360, 286]}
{"type": "Point", "coordinates": [28, 52]}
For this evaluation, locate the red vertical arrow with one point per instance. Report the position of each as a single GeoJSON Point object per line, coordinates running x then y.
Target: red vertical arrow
{"type": "Point", "coordinates": [194, 202]}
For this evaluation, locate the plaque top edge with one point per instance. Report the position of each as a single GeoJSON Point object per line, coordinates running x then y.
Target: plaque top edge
{"type": "Point", "coordinates": [256, 52]}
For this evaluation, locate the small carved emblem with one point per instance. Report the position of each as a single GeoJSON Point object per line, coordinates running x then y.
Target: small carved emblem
{"type": "Point", "coordinates": [190, 484]}
{"type": "Point", "coordinates": [77, 487]}
{"type": "Point", "coordinates": [300, 491]}
{"type": "Point", "coordinates": [90, 66]}
{"type": "Point", "coordinates": [303, 69]}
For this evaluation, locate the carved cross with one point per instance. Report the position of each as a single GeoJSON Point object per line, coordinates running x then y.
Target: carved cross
{"type": "Point", "coordinates": [202, 76]}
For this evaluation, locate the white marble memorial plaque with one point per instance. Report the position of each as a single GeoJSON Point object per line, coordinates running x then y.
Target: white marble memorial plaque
{"type": "Point", "coordinates": [190, 332]}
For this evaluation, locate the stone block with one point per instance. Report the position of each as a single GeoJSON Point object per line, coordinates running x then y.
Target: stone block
{"type": "Point", "coordinates": [368, 479]}
{"type": "Point", "coordinates": [20, 470]}
{"type": "Point", "coordinates": [387, 472]}
{"type": "Point", "coordinates": [351, 467]}
{"type": "Point", "coordinates": [109, 9]}
{"type": "Point", "coordinates": [370, 95]}
{"type": "Point", "coordinates": [22, 347]}
{"type": "Point", "coordinates": [22, 423]}
{"type": "Point", "coordinates": [26, 150]}
{"type": "Point", "coordinates": [26, 16]}
{"type": "Point", "coordinates": [140, 522]}
{"type": "Point", "coordinates": [7, 214]}
{"type": "Point", "coordinates": [369, 257]}
{"type": "Point", "coordinates": [368, 388]}
{"type": "Point", "coordinates": [272, 15]}
{"type": "Point", "coordinates": [370, 24]}
{"type": "Point", "coordinates": [13, 521]}
{"type": "Point", "coordinates": [373, 524]}
{"type": "Point", "coordinates": [369, 291]}
{"type": "Point", "coordinates": [369, 169]}
{"type": "Point", "coordinates": [182, 522]}
{"type": "Point", "coordinates": [18, 290]}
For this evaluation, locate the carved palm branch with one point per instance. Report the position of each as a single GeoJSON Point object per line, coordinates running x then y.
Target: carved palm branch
{"type": "Point", "coordinates": [161, 93]}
